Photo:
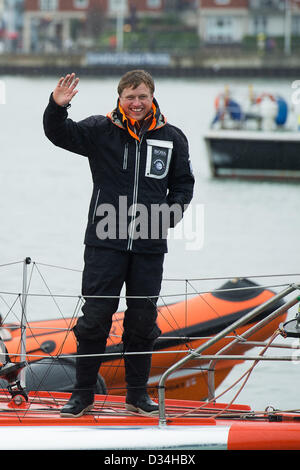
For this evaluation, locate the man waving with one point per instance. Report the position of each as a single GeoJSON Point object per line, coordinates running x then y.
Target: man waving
{"type": "Point", "coordinates": [140, 162]}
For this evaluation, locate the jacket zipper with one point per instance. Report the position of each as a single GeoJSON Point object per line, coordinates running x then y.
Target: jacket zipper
{"type": "Point", "coordinates": [125, 157]}
{"type": "Point", "coordinates": [95, 208]}
{"type": "Point", "coordinates": [135, 194]}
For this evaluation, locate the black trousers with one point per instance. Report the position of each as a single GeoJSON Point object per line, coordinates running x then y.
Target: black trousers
{"type": "Point", "coordinates": [105, 273]}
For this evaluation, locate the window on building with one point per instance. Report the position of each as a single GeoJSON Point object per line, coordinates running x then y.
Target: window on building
{"type": "Point", "coordinates": [219, 28]}
{"type": "Point", "coordinates": [260, 24]}
{"type": "Point", "coordinates": [48, 5]}
{"type": "Point", "coordinates": [81, 3]}
{"type": "Point", "coordinates": [222, 2]}
{"type": "Point", "coordinates": [153, 3]}
{"type": "Point", "coordinates": [115, 6]}
{"type": "Point", "coordinates": [296, 25]}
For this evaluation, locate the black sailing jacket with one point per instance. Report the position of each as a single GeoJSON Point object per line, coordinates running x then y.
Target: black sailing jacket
{"type": "Point", "coordinates": [132, 176]}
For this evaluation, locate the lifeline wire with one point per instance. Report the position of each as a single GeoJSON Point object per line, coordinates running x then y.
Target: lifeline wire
{"type": "Point", "coordinates": [186, 294]}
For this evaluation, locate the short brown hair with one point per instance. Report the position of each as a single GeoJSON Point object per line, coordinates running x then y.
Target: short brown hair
{"type": "Point", "coordinates": [134, 78]}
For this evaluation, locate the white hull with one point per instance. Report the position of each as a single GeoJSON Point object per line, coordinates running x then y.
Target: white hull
{"type": "Point", "coordinates": [113, 438]}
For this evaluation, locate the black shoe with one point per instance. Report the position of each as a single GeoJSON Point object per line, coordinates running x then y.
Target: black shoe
{"type": "Point", "coordinates": [79, 403]}
{"type": "Point", "coordinates": [141, 404]}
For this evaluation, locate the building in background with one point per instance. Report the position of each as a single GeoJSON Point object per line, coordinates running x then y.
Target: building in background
{"type": "Point", "coordinates": [64, 25]}
{"type": "Point", "coordinates": [52, 25]}
{"type": "Point", "coordinates": [49, 25]}
{"type": "Point", "coordinates": [263, 23]}
{"type": "Point", "coordinates": [223, 21]}
{"type": "Point", "coordinates": [273, 20]}
{"type": "Point", "coordinates": [55, 26]}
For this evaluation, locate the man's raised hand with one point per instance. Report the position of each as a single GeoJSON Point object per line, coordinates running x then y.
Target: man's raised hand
{"type": "Point", "coordinates": [65, 89]}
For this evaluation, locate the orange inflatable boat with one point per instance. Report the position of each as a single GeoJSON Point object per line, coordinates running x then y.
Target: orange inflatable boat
{"type": "Point", "coordinates": [184, 325]}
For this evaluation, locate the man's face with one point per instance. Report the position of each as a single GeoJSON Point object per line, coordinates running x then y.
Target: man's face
{"type": "Point", "coordinates": [136, 102]}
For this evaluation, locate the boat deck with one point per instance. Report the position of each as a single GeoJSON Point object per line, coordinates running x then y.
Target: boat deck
{"type": "Point", "coordinates": [44, 408]}
{"type": "Point", "coordinates": [190, 425]}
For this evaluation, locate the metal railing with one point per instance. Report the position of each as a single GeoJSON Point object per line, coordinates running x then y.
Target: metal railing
{"type": "Point", "coordinates": [240, 322]}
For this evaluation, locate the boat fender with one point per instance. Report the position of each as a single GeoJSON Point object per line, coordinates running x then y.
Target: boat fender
{"type": "Point", "coordinates": [282, 111]}
{"type": "Point", "coordinates": [235, 110]}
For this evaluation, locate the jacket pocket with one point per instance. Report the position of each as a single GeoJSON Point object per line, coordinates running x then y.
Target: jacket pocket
{"type": "Point", "coordinates": [95, 206]}
{"type": "Point", "coordinates": [159, 153]}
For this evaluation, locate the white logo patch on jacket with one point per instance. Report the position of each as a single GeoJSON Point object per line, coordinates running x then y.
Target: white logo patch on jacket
{"type": "Point", "coordinates": [159, 154]}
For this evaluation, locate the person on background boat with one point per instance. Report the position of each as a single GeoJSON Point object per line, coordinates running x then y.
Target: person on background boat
{"type": "Point", "coordinates": [142, 183]}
